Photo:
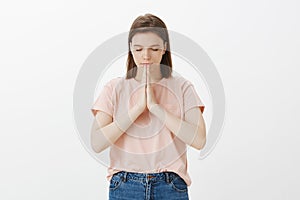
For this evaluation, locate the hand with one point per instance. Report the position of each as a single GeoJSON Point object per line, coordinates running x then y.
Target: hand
{"type": "Point", "coordinates": [141, 92]}
{"type": "Point", "coordinates": [151, 101]}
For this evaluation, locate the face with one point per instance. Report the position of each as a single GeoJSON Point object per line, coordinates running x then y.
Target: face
{"type": "Point", "coordinates": [147, 48]}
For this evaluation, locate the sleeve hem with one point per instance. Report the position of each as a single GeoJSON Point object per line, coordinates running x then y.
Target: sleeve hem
{"type": "Point", "coordinates": [202, 107]}
{"type": "Point", "coordinates": [95, 110]}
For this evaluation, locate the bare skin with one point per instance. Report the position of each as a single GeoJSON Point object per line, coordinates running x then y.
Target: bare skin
{"type": "Point", "coordinates": [106, 130]}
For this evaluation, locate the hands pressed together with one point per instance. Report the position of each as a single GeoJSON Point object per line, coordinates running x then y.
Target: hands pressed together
{"type": "Point", "coordinates": [146, 98]}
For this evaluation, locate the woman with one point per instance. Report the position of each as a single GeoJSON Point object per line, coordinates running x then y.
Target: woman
{"type": "Point", "coordinates": [147, 118]}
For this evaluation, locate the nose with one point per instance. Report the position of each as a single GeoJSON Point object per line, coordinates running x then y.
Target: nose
{"type": "Point", "coordinates": [146, 53]}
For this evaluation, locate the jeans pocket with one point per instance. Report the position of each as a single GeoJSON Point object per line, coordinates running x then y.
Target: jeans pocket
{"type": "Point", "coordinates": [179, 184]}
{"type": "Point", "coordinates": [115, 182]}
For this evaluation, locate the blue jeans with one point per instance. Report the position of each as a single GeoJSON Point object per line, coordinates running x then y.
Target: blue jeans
{"type": "Point", "coordinates": [147, 186]}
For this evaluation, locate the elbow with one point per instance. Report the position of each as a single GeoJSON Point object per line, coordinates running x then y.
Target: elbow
{"type": "Point", "coordinates": [93, 142]}
{"type": "Point", "coordinates": [97, 144]}
{"type": "Point", "coordinates": [200, 141]}
{"type": "Point", "coordinates": [199, 144]}
{"type": "Point", "coordinates": [96, 148]}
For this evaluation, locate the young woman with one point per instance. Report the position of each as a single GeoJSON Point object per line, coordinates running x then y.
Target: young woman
{"type": "Point", "coordinates": [147, 118]}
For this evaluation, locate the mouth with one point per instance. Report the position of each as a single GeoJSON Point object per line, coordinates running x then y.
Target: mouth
{"type": "Point", "coordinates": [146, 63]}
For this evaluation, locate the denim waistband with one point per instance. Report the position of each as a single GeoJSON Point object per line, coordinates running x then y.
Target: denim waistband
{"type": "Point", "coordinates": [167, 176]}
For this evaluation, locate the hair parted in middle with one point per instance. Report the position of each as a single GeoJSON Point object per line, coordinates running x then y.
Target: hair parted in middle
{"type": "Point", "coordinates": [150, 23]}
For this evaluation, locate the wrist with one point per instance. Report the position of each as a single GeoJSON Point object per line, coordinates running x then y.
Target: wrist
{"type": "Point", "coordinates": [124, 120]}
{"type": "Point", "coordinates": [158, 111]}
{"type": "Point", "coordinates": [154, 107]}
{"type": "Point", "coordinates": [137, 110]}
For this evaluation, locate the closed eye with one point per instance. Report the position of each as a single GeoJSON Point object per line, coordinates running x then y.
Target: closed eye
{"type": "Point", "coordinates": [153, 49]}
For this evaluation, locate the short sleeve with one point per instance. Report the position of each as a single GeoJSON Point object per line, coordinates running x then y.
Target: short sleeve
{"type": "Point", "coordinates": [104, 101]}
{"type": "Point", "coordinates": [191, 98]}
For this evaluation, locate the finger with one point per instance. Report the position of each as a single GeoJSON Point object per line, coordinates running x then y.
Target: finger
{"type": "Point", "coordinates": [148, 81]}
{"type": "Point", "coordinates": [144, 77]}
{"type": "Point", "coordinates": [148, 75]}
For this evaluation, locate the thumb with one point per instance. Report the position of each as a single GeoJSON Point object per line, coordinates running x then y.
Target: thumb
{"type": "Point", "coordinates": [144, 76]}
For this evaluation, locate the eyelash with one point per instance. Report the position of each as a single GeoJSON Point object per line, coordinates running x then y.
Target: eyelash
{"type": "Point", "coordinates": [141, 50]}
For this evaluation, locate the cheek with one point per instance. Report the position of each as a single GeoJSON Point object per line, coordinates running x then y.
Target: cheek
{"type": "Point", "coordinates": [135, 59]}
{"type": "Point", "coordinates": [158, 58]}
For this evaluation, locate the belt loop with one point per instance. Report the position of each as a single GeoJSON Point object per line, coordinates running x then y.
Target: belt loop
{"type": "Point", "coordinates": [124, 176]}
{"type": "Point", "coordinates": [167, 177]}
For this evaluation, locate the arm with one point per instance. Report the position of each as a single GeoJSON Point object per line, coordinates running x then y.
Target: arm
{"type": "Point", "coordinates": [105, 131]}
{"type": "Point", "coordinates": [192, 131]}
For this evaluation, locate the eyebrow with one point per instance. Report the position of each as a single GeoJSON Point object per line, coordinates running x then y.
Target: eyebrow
{"type": "Point", "coordinates": [150, 46]}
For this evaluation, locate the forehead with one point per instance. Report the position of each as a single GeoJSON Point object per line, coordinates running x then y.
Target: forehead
{"type": "Point", "coordinates": [146, 39]}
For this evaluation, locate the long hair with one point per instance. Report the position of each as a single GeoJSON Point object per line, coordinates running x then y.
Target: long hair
{"type": "Point", "coordinates": [150, 23]}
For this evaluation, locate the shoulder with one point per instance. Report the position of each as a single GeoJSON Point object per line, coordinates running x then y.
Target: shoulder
{"type": "Point", "coordinates": [113, 82]}
{"type": "Point", "coordinates": [180, 82]}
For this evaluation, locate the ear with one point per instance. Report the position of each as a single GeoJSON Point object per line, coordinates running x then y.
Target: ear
{"type": "Point", "coordinates": [165, 47]}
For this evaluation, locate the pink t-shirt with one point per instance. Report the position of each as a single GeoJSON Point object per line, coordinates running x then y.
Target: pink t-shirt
{"type": "Point", "coordinates": [148, 146]}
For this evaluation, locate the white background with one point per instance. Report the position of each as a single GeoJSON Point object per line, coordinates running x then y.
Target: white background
{"type": "Point", "coordinates": [253, 44]}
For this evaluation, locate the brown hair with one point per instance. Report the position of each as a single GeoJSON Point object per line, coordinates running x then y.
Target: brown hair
{"type": "Point", "coordinates": [150, 23]}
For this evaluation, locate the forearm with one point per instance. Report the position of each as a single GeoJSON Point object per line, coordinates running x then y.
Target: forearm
{"type": "Point", "coordinates": [191, 134]}
{"type": "Point", "coordinates": [103, 137]}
